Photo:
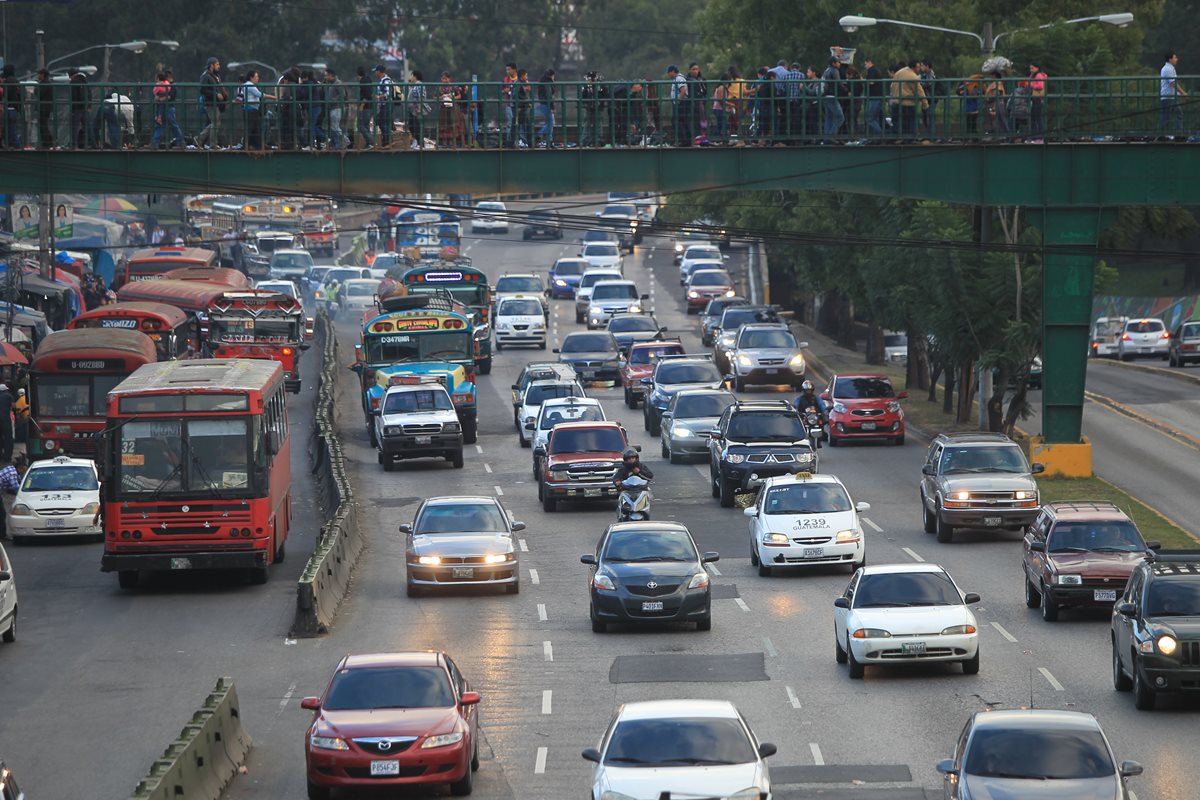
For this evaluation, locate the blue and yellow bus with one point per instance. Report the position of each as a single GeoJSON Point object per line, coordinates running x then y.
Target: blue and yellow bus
{"type": "Point", "coordinates": [468, 285]}
{"type": "Point", "coordinates": [433, 234]}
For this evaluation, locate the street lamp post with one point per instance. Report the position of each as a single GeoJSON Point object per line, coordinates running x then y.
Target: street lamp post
{"type": "Point", "coordinates": [236, 64]}
{"type": "Point", "coordinates": [987, 42]}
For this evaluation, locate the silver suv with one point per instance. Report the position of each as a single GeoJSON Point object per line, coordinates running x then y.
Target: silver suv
{"type": "Point", "coordinates": [766, 353]}
{"type": "Point", "coordinates": [977, 480]}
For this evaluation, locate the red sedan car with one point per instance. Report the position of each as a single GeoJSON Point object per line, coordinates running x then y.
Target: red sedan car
{"type": "Point", "coordinates": [393, 719]}
{"type": "Point", "coordinates": [704, 285]}
{"type": "Point", "coordinates": [863, 406]}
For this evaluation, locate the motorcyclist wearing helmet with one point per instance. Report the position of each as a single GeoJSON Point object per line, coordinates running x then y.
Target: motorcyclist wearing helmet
{"type": "Point", "coordinates": [631, 465]}
{"type": "Point", "coordinates": [808, 399]}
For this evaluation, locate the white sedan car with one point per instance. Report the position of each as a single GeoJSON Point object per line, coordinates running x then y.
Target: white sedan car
{"type": "Point", "coordinates": [58, 497]}
{"type": "Point", "coordinates": [805, 520]}
{"type": "Point", "coordinates": [680, 748]}
{"type": "Point", "coordinates": [519, 320]}
{"type": "Point", "coordinates": [490, 216]}
{"type": "Point", "coordinates": [904, 614]}
{"type": "Point", "coordinates": [8, 599]}
{"type": "Point", "coordinates": [358, 294]}
{"type": "Point", "coordinates": [535, 394]}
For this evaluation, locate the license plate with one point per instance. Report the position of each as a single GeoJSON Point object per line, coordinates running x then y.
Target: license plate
{"type": "Point", "coordinates": [993, 522]}
{"type": "Point", "coordinates": [385, 767]}
{"type": "Point", "coordinates": [422, 440]}
{"type": "Point", "coordinates": [1105, 595]}
{"type": "Point", "coordinates": [1146, 349]}
{"type": "Point", "coordinates": [868, 426]}
{"type": "Point", "coordinates": [586, 373]}
{"type": "Point", "coordinates": [772, 371]}
{"type": "Point", "coordinates": [463, 572]}
{"type": "Point", "coordinates": [591, 492]}
{"type": "Point", "coordinates": [915, 648]}
{"type": "Point", "coordinates": [181, 563]}
{"type": "Point", "coordinates": [814, 552]}
{"type": "Point", "coordinates": [652, 606]}
{"type": "Point", "coordinates": [56, 523]}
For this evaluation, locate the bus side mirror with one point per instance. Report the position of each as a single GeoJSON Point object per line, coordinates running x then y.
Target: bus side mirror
{"type": "Point", "coordinates": [273, 443]}
{"type": "Point", "coordinates": [102, 464]}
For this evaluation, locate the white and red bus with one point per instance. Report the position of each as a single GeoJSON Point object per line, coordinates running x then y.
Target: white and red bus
{"type": "Point", "coordinates": [319, 227]}
{"type": "Point", "coordinates": [150, 263]}
{"type": "Point", "coordinates": [197, 469]}
{"type": "Point", "coordinates": [256, 324]}
{"type": "Point", "coordinates": [69, 376]}
{"type": "Point", "coordinates": [174, 333]}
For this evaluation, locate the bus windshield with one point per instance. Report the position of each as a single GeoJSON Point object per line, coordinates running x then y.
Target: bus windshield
{"type": "Point", "coordinates": [234, 329]}
{"type": "Point", "coordinates": [73, 395]}
{"type": "Point", "coordinates": [472, 295]}
{"type": "Point", "coordinates": [395, 348]}
{"type": "Point", "coordinates": [189, 456]}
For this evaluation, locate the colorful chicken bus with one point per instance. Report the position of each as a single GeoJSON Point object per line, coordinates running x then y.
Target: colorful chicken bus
{"type": "Point", "coordinates": [174, 333]}
{"type": "Point", "coordinates": [152, 262]}
{"type": "Point", "coordinates": [253, 324]}
{"type": "Point", "coordinates": [466, 284]}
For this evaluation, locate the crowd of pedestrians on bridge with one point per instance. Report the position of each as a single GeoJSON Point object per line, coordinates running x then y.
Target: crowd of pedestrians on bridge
{"type": "Point", "coordinates": [306, 109]}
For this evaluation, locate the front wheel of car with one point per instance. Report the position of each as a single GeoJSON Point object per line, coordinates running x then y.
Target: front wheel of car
{"type": "Point", "coordinates": [1144, 697]}
{"type": "Point", "coordinates": [1121, 681]}
{"type": "Point", "coordinates": [753, 555]}
{"type": "Point", "coordinates": [971, 665]}
{"type": "Point", "coordinates": [412, 590]}
{"type": "Point", "coordinates": [900, 440]}
{"type": "Point", "coordinates": [1032, 598]}
{"type": "Point", "coordinates": [854, 668]}
{"type": "Point", "coordinates": [513, 588]}
{"type": "Point", "coordinates": [316, 792]}
{"type": "Point", "coordinates": [549, 503]}
{"type": "Point", "coordinates": [713, 481]}
{"type": "Point", "coordinates": [598, 626]}
{"type": "Point", "coordinates": [726, 493]}
{"type": "Point", "coordinates": [763, 570]}
{"type": "Point", "coordinates": [665, 452]}
{"type": "Point", "coordinates": [1050, 606]}
{"type": "Point", "coordinates": [655, 425]}
{"type": "Point", "coordinates": [10, 635]}
{"type": "Point", "coordinates": [927, 518]}
{"type": "Point", "coordinates": [456, 459]}
{"type": "Point", "coordinates": [704, 624]}
{"type": "Point", "coordinates": [945, 532]}
{"type": "Point", "coordinates": [465, 785]}
{"type": "Point", "coordinates": [839, 655]}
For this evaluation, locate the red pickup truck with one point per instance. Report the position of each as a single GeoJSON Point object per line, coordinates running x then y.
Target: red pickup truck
{"type": "Point", "coordinates": [580, 462]}
{"type": "Point", "coordinates": [638, 363]}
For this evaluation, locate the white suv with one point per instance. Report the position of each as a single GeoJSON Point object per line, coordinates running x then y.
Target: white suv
{"type": "Point", "coordinates": [519, 320]}
{"type": "Point", "coordinates": [490, 216]}
{"type": "Point", "coordinates": [8, 599]}
{"type": "Point", "coordinates": [805, 520]}
{"type": "Point", "coordinates": [613, 297]}
{"type": "Point", "coordinates": [58, 497]}
{"type": "Point", "coordinates": [417, 420]}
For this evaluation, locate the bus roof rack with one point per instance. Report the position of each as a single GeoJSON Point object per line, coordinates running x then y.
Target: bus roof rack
{"type": "Point", "coordinates": [440, 300]}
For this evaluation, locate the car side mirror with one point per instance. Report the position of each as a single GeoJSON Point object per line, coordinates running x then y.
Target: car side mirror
{"type": "Point", "coordinates": [1037, 546]}
{"type": "Point", "coordinates": [1038, 469]}
{"type": "Point", "coordinates": [710, 557]}
{"type": "Point", "coordinates": [5, 576]}
{"type": "Point", "coordinates": [714, 433]}
{"type": "Point", "coordinates": [666, 415]}
{"type": "Point", "coordinates": [902, 395]}
{"type": "Point", "coordinates": [529, 426]}
{"type": "Point", "coordinates": [825, 396]}
{"type": "Point", "coordinates": [841, 602]}
{"type": "Point", "coordinates": [1130, 769]}
{"type": "Point", "coordinates": [518, 526]}
{"type": "Point", "coordinates": [946, 767]}
{"type": "Point", "coordinates": [591, 754]}
{"type": "Point", "coordinates": [539, 451]}
{"type": "Point", "coordinates": [645, 297]}
{"type": "Point", "coordinates": [750, 512]}
{"type": "Point", "coordinates": [802, 345]}
{"type": "Point", "coordinates": [515, 388]}
{"type": "Point", "coordinates": [311, 704]}
{"type": "Point", "coordinates": [861, 507]}
{"type": "Point", "coordinates": [1125, 609]}
{"type": "Point", "coordinates": [470, 698]}
{"type": "Point", "coordinates": [637, 447]}
{"type": "Point", "coordinates": [405, 527]}
{"type": "Point", "coordinates": [928, 469]}
{"type": "Point", "coordinates": [555, 350]}
{"type": "Point", "coordinates": [766, 750]}
{"type": "Point", "coordinates": [588, 558]}
{"type": "Point", "coordinates": [971, 598]}
{"type": "Point", "coordinates": [1153, 544]}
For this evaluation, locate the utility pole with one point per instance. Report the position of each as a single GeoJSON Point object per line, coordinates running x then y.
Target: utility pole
{"type": "Point", "coordinates": [45, 242]}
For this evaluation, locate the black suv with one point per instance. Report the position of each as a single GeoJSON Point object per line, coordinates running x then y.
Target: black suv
{"type": "Point", "coordinates": [542, 223]}
{"type": "Point", "coordinates": [759, 438]}
{"type": "Point", "coordinates": [671, 374]}
{"type": "Point", "coordinates": [1156, 628]}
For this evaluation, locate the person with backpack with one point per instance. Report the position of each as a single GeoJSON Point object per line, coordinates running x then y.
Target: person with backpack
{"type": "Point", "coordinates": [251, 98]}
{"type": "Point", "coordinates": [164, 112]}
{"type": "Point", "coordinates": [385, 89]}
{"type": "Point", "coordinates": [212, 102]}
{"type": "Point", "coordinates": [1020, 107]}
{"type": "Point", "coordinates": [416, 106]}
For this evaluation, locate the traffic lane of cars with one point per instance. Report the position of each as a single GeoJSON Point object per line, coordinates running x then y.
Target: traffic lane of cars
{"type": "Point", "coordinates": [1161, 397]}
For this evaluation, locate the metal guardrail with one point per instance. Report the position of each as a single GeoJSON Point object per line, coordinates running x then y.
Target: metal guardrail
{"type": "Point", "coordinates": [601, 114]}
{"type": "Point", "coordinates": [199, 764]}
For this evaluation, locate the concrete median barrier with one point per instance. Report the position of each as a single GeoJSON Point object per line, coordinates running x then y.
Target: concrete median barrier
{"type": "Point", "coordinates": [199, 764]}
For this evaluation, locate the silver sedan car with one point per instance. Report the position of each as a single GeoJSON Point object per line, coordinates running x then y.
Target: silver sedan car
{"type": "Point", "coordinates": [688, 418]}
{"type": "Point", "coordinates": [462, 541]}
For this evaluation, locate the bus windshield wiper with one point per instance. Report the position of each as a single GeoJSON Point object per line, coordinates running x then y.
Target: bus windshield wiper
{"type": "Point", "coordinates": [204, 476]}
{"type": "Point", "coordinates": [158, 489]}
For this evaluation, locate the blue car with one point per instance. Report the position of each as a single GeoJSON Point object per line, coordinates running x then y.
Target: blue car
{"type": "Point", "coordinates": [565, 275]}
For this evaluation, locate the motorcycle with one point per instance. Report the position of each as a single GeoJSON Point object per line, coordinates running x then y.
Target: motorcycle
{"type": "Point", "coordinates": [633, 504]}
{"type": "Point", "coordinates": [815, 426]}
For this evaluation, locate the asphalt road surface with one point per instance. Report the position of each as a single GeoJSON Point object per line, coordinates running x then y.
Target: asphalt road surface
{"type": "Point", "coordinates": [550, 685]}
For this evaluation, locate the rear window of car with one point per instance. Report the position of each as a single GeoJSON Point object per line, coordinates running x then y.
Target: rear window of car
{"type": "Point", "coordinates": [576, 413]}
{"type": "Point", "coordinates": [702, 252]}
{"type": "Point", "coordinates": [1144, 326]}
{"type": "Point", "coordinates": [687, 373]}
{"type": "Point", "coordinates": [644, 355]}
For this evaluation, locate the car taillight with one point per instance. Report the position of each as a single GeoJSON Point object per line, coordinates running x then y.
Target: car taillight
{"type": "Point", "coordinates": [287, 351]}
{"type": "Point", "coordinates": [1125, 337]}
{"type": "Point", "coordinates": [374, 403]}
{"type": "Point", "coordinates": [1166, 335]}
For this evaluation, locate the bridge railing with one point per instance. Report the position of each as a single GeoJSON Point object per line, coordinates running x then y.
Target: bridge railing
{"type": "Point", "coordinates": [597, 114]}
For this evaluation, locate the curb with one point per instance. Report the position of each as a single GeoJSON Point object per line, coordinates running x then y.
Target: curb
{"type": "Point", "coordinates": [1177, 374]}
{"type": "Point", "coordinates": [1161, 427]}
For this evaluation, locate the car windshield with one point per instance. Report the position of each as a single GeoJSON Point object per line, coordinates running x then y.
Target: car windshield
{"type": "Point", "coordinates": [679, 741]}
{"type": "Point", "coordinates": [891, 589]}
{"type": "Point", "coordinates": [518, 284]}
{"type": "Point", "coordinates": [1173, 598]}
{"type": "Point", "coordinates": [719, 304]}
{"type": "Point", "coordinates": [762, 339]}
{"type": "Point", "coordinates": [60, 479]}
{"type": "Point", "coordinates": [763, 427]}
{"type": "Point", "coordinates": [1145, 326]}
{"type": "Point", "coordinates": [361, 289]}
{"type": "Point", "coordinates": [710, 277]}
{"type": "Point", "coordinates": [520, 308]}
{"type": "Point", "coordinates": [862, 388]}
{"type": "Point", "coordinates": [687, 373]}
{"type": "Point", "coordinates": [806, 498]}
{"type": "Point", "coordinates": [291, 260]}
{"type": "Point", "coordinates": [701, 405]}
{"type": "Point", "coordinates": [621, 210]}
{"type": "Point", "coordinates": [644, 355]}
{"type": "Point", "coordinates": [587, 343]}
{"type": "Point", "coordinates": [1118, 536]}
{"type": "Point", "coordinates": [1002, 458]}
{"type": "Point", "coordinates": [389, 687]}
{"type": "Point", "coordinates": [587, 440]}
{"type": "Point", "coordinates": [632, 323]}
{"type": "Point", "coordinates": [895, 340]}
{"type": "Point", "coordinates": [555, 414]}
{"type": "Point", "coordinates": [538, 394]}
{"type": "Point", "coordinates": [652, 545]}
{"type": "Point", "coordinates": [1033, 754]}
{"type": "Point", "coordinates": [601, 250]}
{"type": "Point", "coordinates": [569, 268]}
{"type": "Point", "coordinates": [461, 518]}
{"type": "Point", "coordinates": [410, 401]}
{"type": "Point", "coordinates": [592, 278]}
{"type": "Point", "coordinates": [733, 318]}
{"type": "Point", "coordinates": [615, 291]}
{"type": "Point", "coordinates": [599, 236]}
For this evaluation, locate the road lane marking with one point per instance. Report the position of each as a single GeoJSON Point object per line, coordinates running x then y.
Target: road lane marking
{"type": "Point", "coordinates": [539, 765]}
{"type": "Point", "coordinates": [769, 648]}
{"type": "Point", "coordinates": [546, 694]}
{"type": "Point", "coordinates": [741, 604]}
{"type": "Point", "coordinates": [713, 569]}
{"type": "Point", "coordinates": [547, 651]}
{"type": "Point", "coordinates": [499, 491]}
{"type": "Point", "coordinates": [533, 577]}
{"type": "Point", "coordinates": [792, 698]}
{"type": "Point", "coordinates": [479, 449]}
{"type": "Point", "coordinates": [911, 554]}
{"type": "Point", "coordinates": [818, 759]}
{"type": "Point", "coordinates": [487, 468]}
{"type": "Point", "coordinates": [874, 527]}
{"type": "Point", "coordinates": [286, 697]}
{"type": "Point", "coordinates": [542, 612]}
{"type": "Point", "coordinates": [1058, 687]}
{"type": "Point", "coordinates": [524, 547]}
{"type": "Point", "coordinates": [1000, 629]}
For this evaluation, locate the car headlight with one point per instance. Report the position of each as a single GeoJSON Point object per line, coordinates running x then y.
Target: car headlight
{"type": "Point", "coordinates": [735, 458]}
{"type": "Point", "coordinates": [693, 294]}
{"type": "Point", "coordinates": [451, 427]}
{"type": "Point", "coordinates": [495, 558]}
{"type": "Point", "coordinates": [839, 408]}
{"type": "Point", "coordinates": [775, 538]}
{"type": "Point", "coordinates": [560, 282]}
{"type": "Point", "coordinates": [681, 431]}
{"type": "Point", "coordinates": [958, 630]}
{"type": "Point", "coordinates": [328, 742]}
{"type": "Point", "coordinates": [1068, 580]}
{"type": "Point", "coordinates": [1167, 644]}
{"type": "Point", "coordinates": [430, 561]}
{"type": "Point", "coordinates": [602, 581]}
{"type": "Point", "coordinates": [797, 361]}
{"type": "Point", "coordinates": [635, 309]}
{"type": "Point", "coordinates": [700, 581]}
{"type": "Point", "coordinates": [678, 248]}
{"type": "Point", "coordinates": [871, 633]}
{"type": "Point", "coordinates": [391, 430]}
{"type": "Point", "coordinates": [442, 740]}
{"type": "Point", "coordinates": [730, 293]}
{"type": "Point", "coordinates": [804, 457]}
{"type": "Point", "coordinates": [539, 323]}
{"type": "Point", "coordinates": [21, 510]}
{"type": "Point", "coordinates": [847, 536]}
{"type": "Point", "coordinates": [1025, 495]}
{"type": "Point", "coordinates": [894, 407]}
{"type": "Point", "coordinates": [727, 341]}
{"type": "Point", "coordinates": [745, 361]}
{"type": "Point", "coordinates": [962, 495]}
{"type": "Point", "coordinates": [90, 508]}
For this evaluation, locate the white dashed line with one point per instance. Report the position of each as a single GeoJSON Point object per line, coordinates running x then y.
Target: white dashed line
{"type": "Point", "coordinates": [769, 648]}
{"type": "Point", "coordinates": [874, 527]}
{"type": "Point", "coordinates": [487, 468]}
{"type": "Point", "coordinates": [818, 759]}
{"type": "Point", "coordinates": [792, 698]}
{"type": "Point", "coordinates": [546, 694]}
{"type": "Point", "coordinates": [741, 604]}
{"type": "Point", "coordinates": [286, 697]}
{"type": "Point", "coordinates": [539, 765]}
{"type": "Point", "coordinates": [542, 612]}
{"type": "Point", "coordinates": [713, 569]}
{"type": "Point", "coordinates": [908, 551]}
{"type": "Point", "coordinates": [521, 544]}
{"type": "Point", "coordinates": [499, 491]}
{"type": "Point", "coordinates": [533, 577]}
{"type": "Point", "coordinates": [479, 449]}
{"type": "Point", "coordinates": [1000, 630]}
{"type": "Point", "coordinates": [1058, 687]}
{"type": "Point", "coordinates": [547, 651]}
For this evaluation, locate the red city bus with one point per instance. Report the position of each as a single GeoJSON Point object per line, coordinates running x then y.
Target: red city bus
{"type": "Point", "coordinates": [69, 377]}
{"type": "Point", "coordinates": [256, 324]}
{"type": "Point", "coordinates": [152, 262]}
{"type": "Point", "coordinates": [197, 469]}
{"type": "Point", "coordinates": [174, 333]}
{"type": "Point", "coordinates": [192, 297]}
{"type": "Point", "coordinates": [223, 275]}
